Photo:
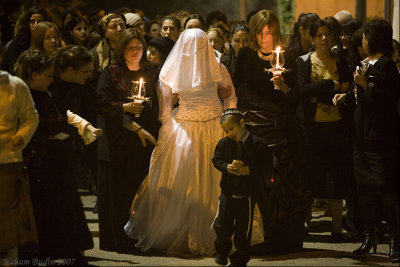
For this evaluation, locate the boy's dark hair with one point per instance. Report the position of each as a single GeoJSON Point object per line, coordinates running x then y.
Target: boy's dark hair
{"type": "Point", "coordinates": [232, 114]}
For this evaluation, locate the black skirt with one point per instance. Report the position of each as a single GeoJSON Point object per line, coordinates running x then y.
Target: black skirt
{"type": "Point", "coordinates": [376, 168]}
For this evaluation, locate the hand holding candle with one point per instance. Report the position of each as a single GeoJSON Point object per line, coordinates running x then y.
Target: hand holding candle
{"type": "Point", "coordinates": [138, 92]}
{"type": "Point", "coordinates": [277, 61]}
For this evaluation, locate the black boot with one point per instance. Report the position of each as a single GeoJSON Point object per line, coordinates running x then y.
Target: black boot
{"type": "Point", "coordinates": [391, 208]}
{"type": "Point", "coordinates": [370, 241]}
{"type": "Point", "coordinates": [394, 248]}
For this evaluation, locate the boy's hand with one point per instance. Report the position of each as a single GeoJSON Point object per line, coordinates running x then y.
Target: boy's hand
{"type": "Point", "coordinates": [245, 170]}
{"type": "Point", "coordinates": [232, 169]}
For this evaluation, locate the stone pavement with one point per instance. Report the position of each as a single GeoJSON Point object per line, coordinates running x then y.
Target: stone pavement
{"type": "Point", "coordinates": [318, 250]}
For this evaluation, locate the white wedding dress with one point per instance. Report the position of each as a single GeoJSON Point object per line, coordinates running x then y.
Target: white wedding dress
{"type": "Point", "coordinates": [176, 204]}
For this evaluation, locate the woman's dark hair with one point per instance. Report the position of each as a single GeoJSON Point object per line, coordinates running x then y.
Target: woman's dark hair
{"type": "Point", "coordinates": [22, 31]}
{"type": "Point", "coordinates": [149, 24]}
{"type": "Point", "coordinates": [195, 16]}
{"type": "Point", "coordinates": [305, 20]}
{"type": "Point", "coordinates": [163, 45]}
{"type": "Point", "coordinates": [32, 61]}
{"type": "Point", "coordinates": [334, 27]}
{"type": "Point", "coordinates": [349, 27]}
{"type": "Point", "coordinates": [74, 12]}
{"type": "Point", "coordinates": [74, 56]}
{"type": "Point", "coordinates": [237, 27]}
{"type": "Point", "coordinates": [124, 39]}
{"type": "Point", "coordinates": [251, 14]}
{"type": "Point", "coordinates": [218, 15]}
{"type": "Point", "coordinates": [174, 20]}
{"type": "Point", "coordinates": [317, 24]}
{"type": "Point", "coordinates": [354, 55]}
{"type": "Point", "coordinates": [379, 34]}
{"type": "Point", "coordinates": [74, 21]}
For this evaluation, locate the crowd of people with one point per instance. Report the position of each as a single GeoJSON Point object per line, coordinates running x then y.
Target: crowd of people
{"type": "Point", "coordinates": [327, 127]}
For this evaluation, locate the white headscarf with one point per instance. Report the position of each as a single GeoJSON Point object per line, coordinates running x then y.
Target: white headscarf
{"type": "Point", "coordinates": [191, 63]}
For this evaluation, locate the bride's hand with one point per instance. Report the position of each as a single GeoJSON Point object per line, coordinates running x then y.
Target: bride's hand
{"type": "Point", "coordinates": [145, 135]}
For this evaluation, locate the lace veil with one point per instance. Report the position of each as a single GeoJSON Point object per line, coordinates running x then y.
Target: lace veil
{"type": "Point", "coordinates": [191, 63]}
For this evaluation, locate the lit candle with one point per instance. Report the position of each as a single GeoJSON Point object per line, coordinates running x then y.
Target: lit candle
{"type": "Point", "coordinates": [278, 49]}
{"type": "Point", "coordinates": [140, 88]}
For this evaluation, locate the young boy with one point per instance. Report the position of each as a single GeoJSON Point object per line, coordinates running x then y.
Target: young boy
{"type": "Point", "coordinates": [242, 159]}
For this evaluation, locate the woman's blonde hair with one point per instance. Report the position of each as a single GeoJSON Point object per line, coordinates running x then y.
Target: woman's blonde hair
{"type": "Point", "coordinates": [257, 24]}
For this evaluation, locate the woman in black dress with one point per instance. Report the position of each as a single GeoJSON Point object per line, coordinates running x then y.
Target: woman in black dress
{"type": "Point", "coordinates": [269, 113]}
{"type": "Point", "coordinates": [62, 228]}
{"type": "Point", "coordinates": [321, 74]}
{"type": "Point", "coordinates": [124, 152]}
{"type": "Point", "coordinates": [376, 135]}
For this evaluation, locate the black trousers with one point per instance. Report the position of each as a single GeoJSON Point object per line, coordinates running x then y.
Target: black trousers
{"type": "Point", "coordinates": [233, 218]}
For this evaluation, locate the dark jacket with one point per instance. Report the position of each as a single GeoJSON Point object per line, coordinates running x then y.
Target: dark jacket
{"type": "Point", "coordinates": [323, 90]}
{"type": "Point", "coordinates": [117, 143]}
{"type": "Point", "coordinates": [376, 115]}
{"type": "Point", "coordinates": [254, 155]}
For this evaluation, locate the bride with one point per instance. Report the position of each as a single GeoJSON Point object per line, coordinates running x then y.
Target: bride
{"type": "Point", "coordinates": [175, 206]}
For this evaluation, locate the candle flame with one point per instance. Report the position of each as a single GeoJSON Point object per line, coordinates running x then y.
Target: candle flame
{"type": "Point", "coordinates": [278, 49]}
{"type": "Point", "coordinates": [140, 87]}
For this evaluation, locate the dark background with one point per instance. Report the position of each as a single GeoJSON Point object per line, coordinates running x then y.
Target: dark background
{"type": "Point", "coordinates": [153, 7]}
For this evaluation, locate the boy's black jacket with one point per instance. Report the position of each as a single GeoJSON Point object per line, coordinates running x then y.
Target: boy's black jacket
{"type": "Point", "coordinates": [254, 154]}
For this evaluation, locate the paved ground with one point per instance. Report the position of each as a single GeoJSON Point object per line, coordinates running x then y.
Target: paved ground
{"type": "Point", "coordinates": [318, 250]}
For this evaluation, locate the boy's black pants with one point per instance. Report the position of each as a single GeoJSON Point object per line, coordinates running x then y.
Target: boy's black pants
{"type": "Point", "coordinates": [233, 218]}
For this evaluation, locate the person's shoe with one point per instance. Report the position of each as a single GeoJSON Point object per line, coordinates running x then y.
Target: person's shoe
{"type": "Point", "coordinates": [221, 260]}
{"type": "Point", "coordinates": [394, 249]}
{"type": "Point", "coordinates": [370, 241]}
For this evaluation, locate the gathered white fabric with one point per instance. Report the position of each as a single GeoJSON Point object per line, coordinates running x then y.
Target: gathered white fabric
{"type": "Point", "coordinates": [200, 104]}
{"type": "Point", "coordinates": [81, 124]}
{"type": "Point", "coordinates": [191, 63]}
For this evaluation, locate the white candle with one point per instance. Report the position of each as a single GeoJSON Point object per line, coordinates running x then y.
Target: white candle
{"type": "Point", "coordinates": [140, 88]}
{"type": "Point", "coordinates": [278, 49]}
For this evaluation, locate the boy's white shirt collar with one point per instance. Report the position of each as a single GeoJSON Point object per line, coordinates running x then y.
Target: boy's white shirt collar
{"type": "Point", "coordinates": [245, 136]}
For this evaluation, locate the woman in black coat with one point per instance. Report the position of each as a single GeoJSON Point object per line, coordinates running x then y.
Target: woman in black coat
{"type": "Point", "coordinates": [270, 114]}
{"type": "Point", "coordinates": [376, 135]}
{"type": "Point", "coordinates": [61, 223]}
{"type": "Point", "coordinates": [123, 154]}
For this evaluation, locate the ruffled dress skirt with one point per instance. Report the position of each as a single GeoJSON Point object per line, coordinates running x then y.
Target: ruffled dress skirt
{"type": "Point", "coordinates": [176, 204]}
